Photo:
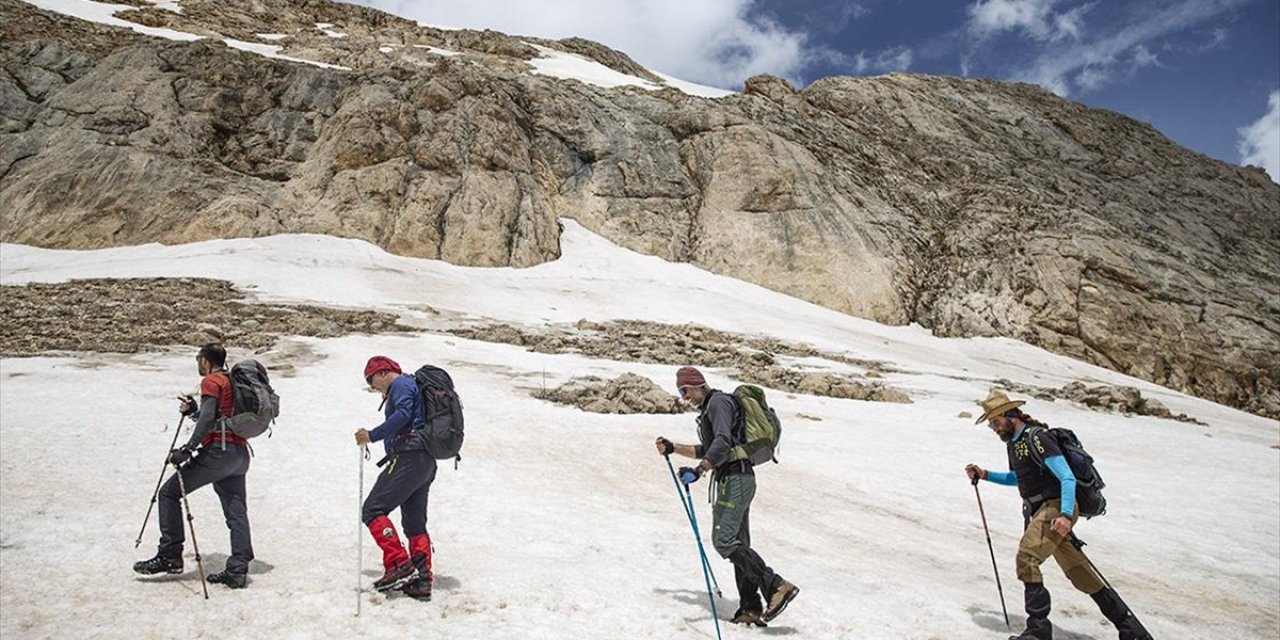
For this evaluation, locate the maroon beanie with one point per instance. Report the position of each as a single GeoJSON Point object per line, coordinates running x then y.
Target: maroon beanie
{"type": "Point", "coordinates": [380, 363]}
{"type": "Point", "coordinates": [689, 377]}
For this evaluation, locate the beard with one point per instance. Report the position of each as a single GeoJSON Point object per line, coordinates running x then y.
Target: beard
{"type": "Point", "coordinates": [1005, 431]}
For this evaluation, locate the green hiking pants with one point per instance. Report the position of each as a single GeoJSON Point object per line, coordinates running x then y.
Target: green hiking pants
{"type": "Point", "coordinates": [731, 515]}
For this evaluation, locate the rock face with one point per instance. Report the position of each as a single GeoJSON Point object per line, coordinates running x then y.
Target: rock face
{"type": "Point", "coordinates": [969, 206]}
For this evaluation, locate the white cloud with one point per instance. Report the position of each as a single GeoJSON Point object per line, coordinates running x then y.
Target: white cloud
{"type": "Point", "coordinates": [718, 42]}
{"type": "Point", "coordinates": [1217, 36]}
{"type": "Point", "coordinates": [1093, 77]}
{"type": "Point", "coordinates": [1034, 18]}
{"type": "Point", "coordinates": [886, 61]}
{"type": "Point", "coordinates": [1259, 142]}
{"type": "Point", "coordinates": [1065, 66]}
{"type": "Point", "coordinates": [1142, 57]}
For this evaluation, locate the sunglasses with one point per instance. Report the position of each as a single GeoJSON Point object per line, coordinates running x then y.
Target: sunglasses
{"type": "Point", "coordinates": [684, 391]}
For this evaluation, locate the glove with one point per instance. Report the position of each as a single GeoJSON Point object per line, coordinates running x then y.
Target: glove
{"type": "Point", "coordinates": [690, 475]}
{"type": "Point", "coordinates": [666, 446]}
{"type": "Point", "coordinates": [188, 406]}
{"type": "Point", "coordinates": [180, 455]}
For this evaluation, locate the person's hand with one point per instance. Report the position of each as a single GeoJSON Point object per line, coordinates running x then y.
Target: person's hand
{"type": "Point", "coordinates": [1061, 525]}
{"type": "Point", "coordinates": [975, 472]}
{"type": "Point", "coordinates": [665, 446]}
{"type": "Point", "coordinates": [180, 455]}
{"type": "Point", "coordinates": [689, 475]}
{"type": "Point", "coordinates": [362, 437]}
{"type": "Point", "coordinates": [186, 405]}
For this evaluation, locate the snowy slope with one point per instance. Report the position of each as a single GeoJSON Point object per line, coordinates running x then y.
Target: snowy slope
{"type": "Point", "coordinates": [563, 524]}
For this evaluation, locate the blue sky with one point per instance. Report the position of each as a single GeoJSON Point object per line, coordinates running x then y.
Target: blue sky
{"type": "Point", "coordinates": [1206, 73]}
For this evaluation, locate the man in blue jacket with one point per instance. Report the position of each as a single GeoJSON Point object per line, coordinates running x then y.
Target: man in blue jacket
{"type": "Point", "coordinates": [1049, 513]}
{"type": "Point", "coordinates": [404, 482]}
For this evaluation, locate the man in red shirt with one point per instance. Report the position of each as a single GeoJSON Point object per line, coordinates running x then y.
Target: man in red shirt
{"type": "Point", "coordinates": [220, 458]}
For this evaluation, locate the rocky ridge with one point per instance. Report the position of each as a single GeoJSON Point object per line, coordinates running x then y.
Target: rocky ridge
{"type": "Point", "coordinates": [148, 314]}
{"type": "Point", "coordinates": [972, 207]}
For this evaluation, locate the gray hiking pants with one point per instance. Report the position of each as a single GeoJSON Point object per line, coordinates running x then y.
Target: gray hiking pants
{"type": "Point", "coordinates": [225, 469]}
{"type": "Point", "coordinates": [731, 535]}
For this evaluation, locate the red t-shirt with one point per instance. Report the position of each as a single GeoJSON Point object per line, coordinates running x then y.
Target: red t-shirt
{"type": "Point", "coordinates": [218, 386]}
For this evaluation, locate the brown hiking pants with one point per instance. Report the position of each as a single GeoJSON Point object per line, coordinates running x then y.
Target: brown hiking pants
{"type": "Point", "coordinates": [1039, 542]}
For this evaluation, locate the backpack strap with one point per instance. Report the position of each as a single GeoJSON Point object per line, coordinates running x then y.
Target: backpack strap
{"type": "Point", "coordinates": [1032, 430]}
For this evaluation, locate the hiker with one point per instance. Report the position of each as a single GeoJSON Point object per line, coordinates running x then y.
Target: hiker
{"type": "Point", "coordinates": [211, 455]}
{"type": "Point", "coordinates": [1049, 513]}
{"type": "Point", "coordinates": [405, 481]}
{"type": "Point", "coordinates": [720, 428]}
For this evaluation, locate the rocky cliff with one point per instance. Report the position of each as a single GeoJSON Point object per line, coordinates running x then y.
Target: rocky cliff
{"type": "Point", "coordinates": [972, 207]}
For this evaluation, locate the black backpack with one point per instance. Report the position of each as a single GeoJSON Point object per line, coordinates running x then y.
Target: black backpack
{"type": "Point", "coordinates": [1089, 484]}
{"type": "Point", "coordinates": [443, 410]}
{"type": "Point", "coordinates": [255, 404]}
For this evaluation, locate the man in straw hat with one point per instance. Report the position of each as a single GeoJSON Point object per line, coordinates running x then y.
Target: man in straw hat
{"type": "Point", "coordinates": [1049, 512]}
{"type": "Point", "coordinates": [720, 426]}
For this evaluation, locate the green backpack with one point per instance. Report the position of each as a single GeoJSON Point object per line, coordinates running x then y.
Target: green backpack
{"type": "Point", "coordinates": [762, 429]}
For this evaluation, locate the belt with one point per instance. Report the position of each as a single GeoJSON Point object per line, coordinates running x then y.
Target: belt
{"type": "Point", "coordinates": [737, 467]}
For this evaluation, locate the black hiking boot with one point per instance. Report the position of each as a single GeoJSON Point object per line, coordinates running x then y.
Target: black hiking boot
{"type": "Point", "coordinates": [158, 564]}
{"type": "Point", "coordinates": [232, 580]}
{"type": "Point", "coordinates": [1038, 606]}
{"type": "Point", "coordinates": [1037, 629]}
{"type": "Point", "coordinates": [1121, 616]}
{"type": "Point", "coordinates": [418, 588]}
{"type": "Point", "coordinates": [395, 577]}
{"type": "Point", "coordinates": [782, 596]}
{"type": "Point", "coordinates": [748, 618]}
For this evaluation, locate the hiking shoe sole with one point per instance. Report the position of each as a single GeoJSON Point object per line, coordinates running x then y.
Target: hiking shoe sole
{"type": "Point", "coordinates": [782, 606]}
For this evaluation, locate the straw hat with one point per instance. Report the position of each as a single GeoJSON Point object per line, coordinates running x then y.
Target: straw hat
{"type": "Point", "coordinates": [996, 404]}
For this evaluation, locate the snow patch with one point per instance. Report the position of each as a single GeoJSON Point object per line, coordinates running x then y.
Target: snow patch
{"type": "Point", "coordinates": [168, 5]}
{"type": "Point", "coordinates": [574, 67]}
{"type": "Point", "coordinates": [436, 50]}
{"type": "Point", "coordinates": [559, 64]}
{"type": "Point", "coordinates": [326, 28]}
{"type": "Point", "coordinates": [273, 51]}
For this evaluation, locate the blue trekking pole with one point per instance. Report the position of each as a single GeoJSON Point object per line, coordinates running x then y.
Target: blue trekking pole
{"type": "Point", "coordinates": [687, 499]}
{"type": "Point", "coordinates": [688, 511]}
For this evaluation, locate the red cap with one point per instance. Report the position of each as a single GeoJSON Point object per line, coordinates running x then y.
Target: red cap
{"type": "Point", "coordinates": [689, 377]}
{"type": "Point", "coordinates": [380, 363]}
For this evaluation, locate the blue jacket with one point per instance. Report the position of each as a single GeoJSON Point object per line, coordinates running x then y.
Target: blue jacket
{"type": "Point", "coordinates": [404, 412]}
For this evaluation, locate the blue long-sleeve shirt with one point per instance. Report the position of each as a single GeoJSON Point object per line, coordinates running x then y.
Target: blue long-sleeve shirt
{"type": "Point", "coordinates": [403, 410]}
{"type": "Point", "coordinates": [1055, 462]}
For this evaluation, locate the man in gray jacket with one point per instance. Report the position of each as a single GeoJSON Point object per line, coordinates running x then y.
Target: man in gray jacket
{"type": "Point", "coordinates": [720, 428]}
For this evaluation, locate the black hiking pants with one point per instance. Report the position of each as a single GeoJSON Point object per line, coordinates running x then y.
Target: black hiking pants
{"type": "Point", "coordinates": [225, 469]}
{"type": "Point", "coordinates": [405, 482]}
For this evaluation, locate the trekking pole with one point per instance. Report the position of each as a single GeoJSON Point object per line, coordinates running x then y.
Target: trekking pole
{"type": "Point", "coordinates": [364, 455]}
{"type": "Point", "coordinates": [990, 548]}
{"type": "Point", "coordinates": [191, 523]}
{"type": "Point", "coordinates": [156, 493]}
{"type": "Point", "coordinates": [706, 569]}
{"type": "Point", "coordinates": [688, 511]}
{"type": "Point", "coordinates": [1079, 545]}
